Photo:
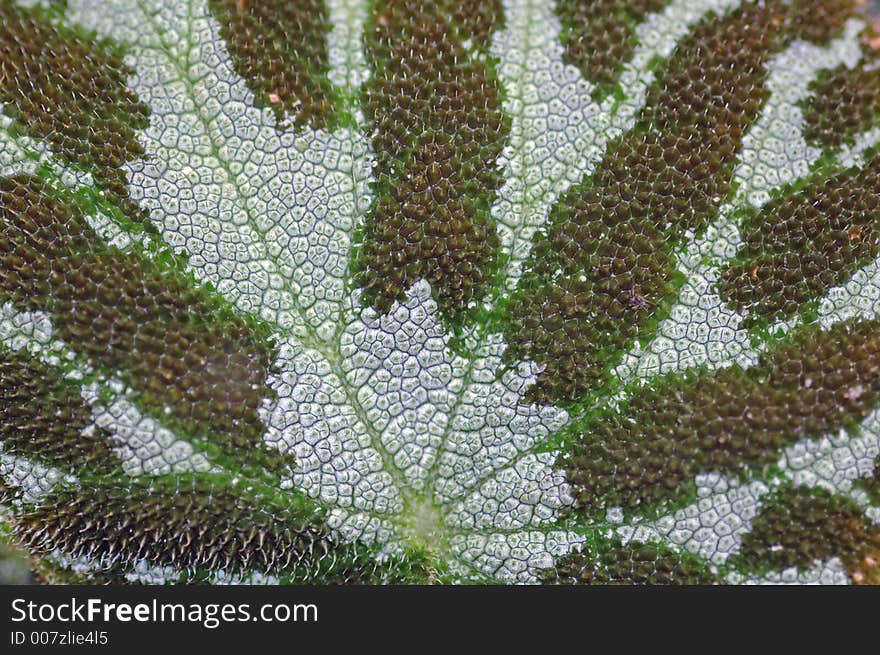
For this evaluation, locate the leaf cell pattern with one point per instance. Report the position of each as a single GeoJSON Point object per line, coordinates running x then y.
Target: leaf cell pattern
{"type": "Point", "coordinates": [417, 291]}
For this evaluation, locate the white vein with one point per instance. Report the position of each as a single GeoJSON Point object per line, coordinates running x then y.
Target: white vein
{"type": "Point", "coordinates": [34, 480]}
{"type": "Point", "coordinates": [701, 330]}
{"type": "Point", "coordinates": [830, 572]}
{"type": "Point", "coordinates": [345, 52]}
{"type": "Point", "coordinates": [20, 154]}
{"type": "Point", "coordinates": [143, 445]}
{"type": "Point", "coordinates": [265, 215]}
{"type": "Point", "coordinates": [558, 132]}
{"type": "Point", "coordinates": [383, 417]}
{"type": "Point", "coordinates": [405, 373]}
{"type": "Point", "coordinates": [713, 526]}
{"type": "Point", "coordinates": [512, 558]}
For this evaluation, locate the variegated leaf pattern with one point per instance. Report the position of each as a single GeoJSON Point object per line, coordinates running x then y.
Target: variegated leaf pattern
{"type": "Point", "coordinates": [425, 291]}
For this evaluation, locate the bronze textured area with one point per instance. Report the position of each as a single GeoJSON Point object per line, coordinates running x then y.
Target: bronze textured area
{"type": "Point", "coordinates": [801, 244]}
{"type": "Point", "coordinates": [46, 418]}
{"type": "Point", "coordinates": [871, 484]}
{"type": "Point", "coordinates": [280, 49]}
{"type": "Point", "coordinates": [798, 527]}
{"type": "Point", "coordinates": [438, 129]}
{"type": "Point", "coordinates": [604, 271]}
{"type": "Point", "coordinates": [599, 35]}
{"type": "Point", "coordinates": [128, 313]}
{"type": "Point", "coordinates": [9, 493]}
{"type": "Point", "coordinates": [732, 421]}
{"type": "Point", "coordinates": [843, 102]}
{"type": "Point", "coordinates": [632, 564]}
{"type": "Point", "coordinates": [72, 93]}
{"type": "Point", "coordinates": [820, 20]}
{"type": "Point", "coordinates": [440, 291]}
{"type": "Point", "coordinates": [191, 526]}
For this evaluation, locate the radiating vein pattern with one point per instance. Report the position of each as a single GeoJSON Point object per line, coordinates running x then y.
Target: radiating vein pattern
{"type": "Point", "coordinates": [605, 270]}
{"type": "Point", "coordinates": [733, 421]}
{"type": "Point", "coordinates": [701, 329]}
{"type": "Point", "coordinates": [128, 313]}
{"type": "Point", "coordinates": [424, 291]}
{"type": "Point", "coordinates": [268, 225]}
{"type": "Point", "coordinates": [805, 242]}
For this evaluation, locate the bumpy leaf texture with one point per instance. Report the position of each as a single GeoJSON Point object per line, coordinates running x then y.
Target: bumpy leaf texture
{"type": "Point", "coordinates": [353, 291]}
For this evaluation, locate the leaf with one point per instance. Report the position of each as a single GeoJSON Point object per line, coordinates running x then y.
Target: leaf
{"type": "Point", "coordinates": [353, 291]}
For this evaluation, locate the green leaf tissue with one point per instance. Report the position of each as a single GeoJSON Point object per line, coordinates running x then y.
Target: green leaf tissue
{"type": "Point", "coordinates": [434, 291]}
